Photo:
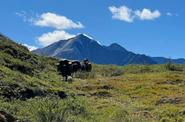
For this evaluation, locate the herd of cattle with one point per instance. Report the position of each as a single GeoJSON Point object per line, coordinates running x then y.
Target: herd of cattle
{"type": "Point", "coordinates": [67, 68]}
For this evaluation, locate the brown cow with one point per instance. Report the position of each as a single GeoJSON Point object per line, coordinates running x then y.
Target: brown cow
{"type": "Point", "coordinates": [86, 65]}
{"type": "Point", "coordinates": [65, 68]}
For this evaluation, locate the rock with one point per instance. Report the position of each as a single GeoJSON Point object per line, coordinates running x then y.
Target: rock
{"type": "Point", "coordinates": [62, 94]}
{"type": "Point", "coordinates": [6, 117]}
{"type": "Point", "coordinates": [2, 118]}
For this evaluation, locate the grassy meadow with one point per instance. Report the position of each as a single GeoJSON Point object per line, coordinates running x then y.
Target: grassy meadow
{"type": "Point", "coordinates": [133, 93]}
{"type": "Point", "coordinates": [31, 90]}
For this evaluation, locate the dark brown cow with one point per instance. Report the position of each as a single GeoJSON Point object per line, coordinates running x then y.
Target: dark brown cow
{"type": "Point", "coordinates": [76, 66]}
{"type": "Point", "coordinates": [86, 65]}
{"type": "Point", "coordinates": [65, 68]}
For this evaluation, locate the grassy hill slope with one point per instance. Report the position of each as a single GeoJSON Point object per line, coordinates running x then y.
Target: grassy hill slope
{"type": "Point", "coordinates": [31, 90]}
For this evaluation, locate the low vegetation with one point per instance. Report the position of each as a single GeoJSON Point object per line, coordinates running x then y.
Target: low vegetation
{"type": "Point", "coordinates": [31, 90]}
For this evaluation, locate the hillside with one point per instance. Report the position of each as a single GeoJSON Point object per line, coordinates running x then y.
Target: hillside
{"type": "Point", "coordinates": [81, 47]}
{"type": "Point", "coordinates": [31, 90]}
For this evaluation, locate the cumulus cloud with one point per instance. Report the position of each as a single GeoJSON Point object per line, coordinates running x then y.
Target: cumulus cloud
{"type": "Point", "coordinates": [51, 37]}
{"type": "Point", "coordinates": [122, 13]}
{"type": "Point", "coordinates": [147, 14]}
{"type": "Point", "coordinates": [126, 14]}
{"type": "Point", "coordinates": [56, 21]}
{"type": "Point", "coordinates": [30, 47]}
{"type": "Point", "coordinates": [59, 23]}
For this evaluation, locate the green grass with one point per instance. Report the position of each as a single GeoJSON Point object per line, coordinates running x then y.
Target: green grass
{"type": "Point", "coordinates": [132, 93]}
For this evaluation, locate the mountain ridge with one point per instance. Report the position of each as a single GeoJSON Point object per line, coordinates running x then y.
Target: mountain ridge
{"type": "Point", "coordinates": [82, 46]}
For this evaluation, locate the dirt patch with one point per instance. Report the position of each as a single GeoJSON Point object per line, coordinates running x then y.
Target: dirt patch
{"type": "Point", "coordinates": [12, 91]}
{"type": "Point", "coordinates": [86, 87]}
{"type": "Point", "coordinates": [175, 82]}
{"type": "Point", "coordinates": [167, 100]}
{"type": "Point", "coordinates": [15, 91]}
{"type": "Point", "coordinates": [81, 94]}
{"type": "Point", "coordinates": [101, 94]}
{"type": "Point", "coordinates": [94, 87]}
{"type": "Point", "coordinates": [105, 87]}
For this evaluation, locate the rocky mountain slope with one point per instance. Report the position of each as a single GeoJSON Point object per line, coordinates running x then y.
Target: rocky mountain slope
{"type": "Point", "coordinates": [82, 46]}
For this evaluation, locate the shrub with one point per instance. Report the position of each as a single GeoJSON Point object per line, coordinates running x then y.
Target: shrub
{"type": "Point", "coordinates": [50, 110]}
{"type": "Point", "coordinates": [172, 67]}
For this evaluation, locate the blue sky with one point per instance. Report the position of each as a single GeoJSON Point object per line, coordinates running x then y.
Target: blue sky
{"type": "Point", "coordinates": [151, 27]}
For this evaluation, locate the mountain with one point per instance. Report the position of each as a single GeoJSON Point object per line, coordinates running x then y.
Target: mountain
{"type": "Point", "coordinates": [162, 60]}
{"type": "Point", "coordinates": [82, 46]}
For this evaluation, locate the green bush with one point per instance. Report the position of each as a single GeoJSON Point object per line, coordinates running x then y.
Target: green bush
{"type": "Point", "coordinates": [173, 67]}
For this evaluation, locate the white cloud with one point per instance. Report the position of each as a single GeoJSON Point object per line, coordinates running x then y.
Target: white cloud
{"type": "Point", "coordinates": [30, 47]}
{"type": "Point", "coordinates": [147, 14]}
{"type": "Point", "coordinates": [122, 13]}
{"type": "Point", "coordinates": [56, 21]}
{"type": "Point", "coordinates": [24, 15]}
{"type": "Point", "coordinates": [126, 14]}
{"type": "Point", "coordinates": [51, 37]}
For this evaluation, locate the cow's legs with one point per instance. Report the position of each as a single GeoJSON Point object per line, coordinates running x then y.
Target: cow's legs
{"type": "Point", "coordinates": [64, 78]}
